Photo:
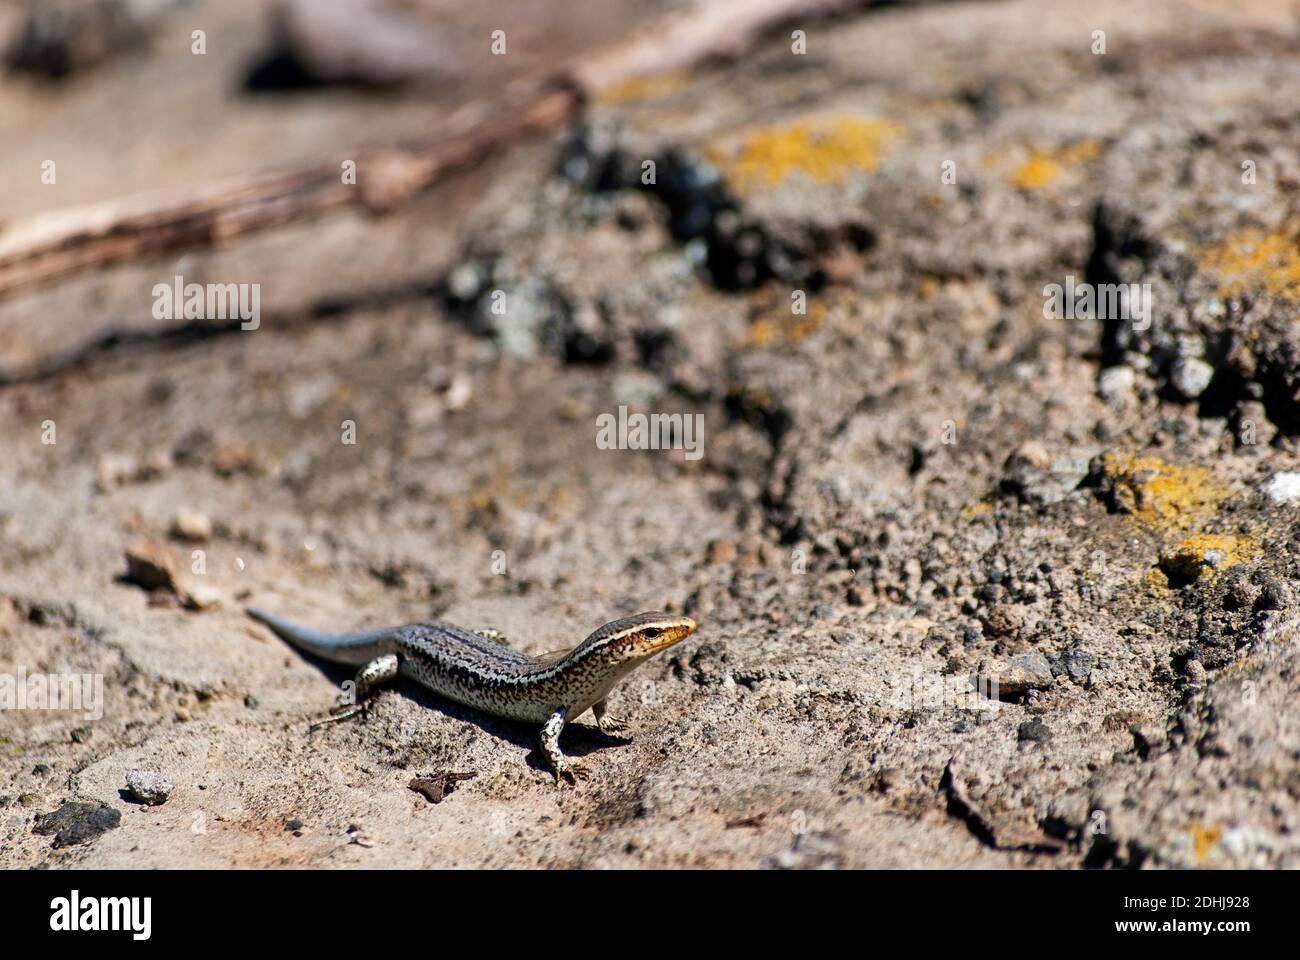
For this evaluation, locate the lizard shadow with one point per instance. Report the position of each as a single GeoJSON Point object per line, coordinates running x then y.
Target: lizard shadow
{"type": "Point", "coordinates": [577, 740]}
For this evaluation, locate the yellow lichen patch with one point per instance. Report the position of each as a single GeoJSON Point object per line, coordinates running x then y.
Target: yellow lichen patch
{"type": "Point", "coordinates": [639, 89]}
{"type": "Point", "coordinates": [1206, 553]}
{"type": "Point", "coordinates": [1253, 260]}
{"type": "Point", "coordinates": [1160, 495]}
{"type": "Point", "coordinates": [1044, 166]}
{"type": "Point", "coordinates": [774, 320]}
{"type": "Point", "coordinates": [786, 328]}
{"type": "Point", "coordinates": [823, 150]}
{"type": "Point", "coordinates": [1204, 839]}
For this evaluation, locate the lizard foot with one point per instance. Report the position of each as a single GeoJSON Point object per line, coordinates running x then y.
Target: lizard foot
{"type": "Point", "coordinates": [613, 726]}
{"type": "Point", "coordinates": [571, 772]}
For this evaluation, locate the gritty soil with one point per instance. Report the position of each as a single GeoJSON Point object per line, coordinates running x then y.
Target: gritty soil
{"type": "Point", "coordinates": [976, 586]}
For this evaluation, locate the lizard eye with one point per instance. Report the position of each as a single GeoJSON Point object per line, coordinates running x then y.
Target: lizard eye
{"type": "Point", "coordinates": [651, 632]}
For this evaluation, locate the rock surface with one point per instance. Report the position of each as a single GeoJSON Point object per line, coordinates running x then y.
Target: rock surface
{"type": "Point", "coordinates": [911, 466]}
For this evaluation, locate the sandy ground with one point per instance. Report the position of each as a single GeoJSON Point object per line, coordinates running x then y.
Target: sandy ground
{"type": "Point", "coordinates": [911, 474]}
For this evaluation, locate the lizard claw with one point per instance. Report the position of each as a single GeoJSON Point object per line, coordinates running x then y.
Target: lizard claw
{"type": "Point", "coordinates": [571, 772]}
{"type": "Point", "coordinates": [613, 727]}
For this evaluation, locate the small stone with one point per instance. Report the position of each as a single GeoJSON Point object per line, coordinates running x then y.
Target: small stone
{"type": "Point", "coordinates": [1033, 731]}
{"type": "Point", "coordinates": [1147, 740]}
{"type": "Point", "coordinates": [1283, 488]}
{"type": "Point", "coordinates": [232, 458]}
{"type": "Point", "coordinates": [1070, 810]}
{"type": "Point", "coordinates": [1274, 595]}
{"type": "Point", "coordinates": [149, 787]}
{"type": "Point", "coordinates": [119, 469]}
{"type": "Point", "coordinates": [1078, 663]}
{"type": "Point", "coordinates": [251, 702]}
{"type": "Point", "coordinates": [82, 734]}
{"type": "Point", "coordinates": [1191, 377]}
{"type": "Point", "coordinates": [1115, 385]}
{"type": "Point", "coordinates": [200, 596]}
{"type": "Point", "coordinates": [1003, 620]}
{"type": "Point", "coordinates": [1020, 674]}
{"type": "Point", "coordinates": [1039, 477]}
{"type": "Point", "coordinates": [466, 280]}
{"type": "Point", "coordinates": [158, 463]}
{"type": "Point", "coordinates": [1241, 595]}
{"type": "Point", "coordinates": [294, 824]}
{"type": "Point", "coordinates": [855, 596]}
{"type": "Point", "coordinates": [192, 526]}
{"type": "Point", "coordinates": [192, 448]}
{"type": "Point", "coordinates": [1253, 427]}
{"type": "Point", "coordinates": [721, 552]}
{"type": "Point", "coordinates": [459, 392]}
{"type": "Point", "coordinates": [114, 469]}
{"type": "Point", "coordinates": [40, 770]}
{"type": "Point", "coordinates": [75, 823]}
{"type": "Point", "coordinates": [151, 566]}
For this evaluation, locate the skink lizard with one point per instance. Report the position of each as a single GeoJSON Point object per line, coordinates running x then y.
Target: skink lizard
{"type": "Point", "coordinates": [478, 670]}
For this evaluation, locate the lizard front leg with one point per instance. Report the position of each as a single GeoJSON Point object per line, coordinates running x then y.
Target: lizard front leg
{"type": "Point", "coordinates": [550, 741]}
{"type": "Point", "coordinates": [608, 725]}
{"type": "Point", "coordinates": [377, 671]}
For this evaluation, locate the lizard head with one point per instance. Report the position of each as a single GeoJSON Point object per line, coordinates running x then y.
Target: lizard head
{"type": "Point", "coordinates": [642, 636]}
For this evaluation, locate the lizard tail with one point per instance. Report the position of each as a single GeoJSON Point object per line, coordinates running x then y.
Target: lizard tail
{"type": "Point", "coordinates": [351, 648]}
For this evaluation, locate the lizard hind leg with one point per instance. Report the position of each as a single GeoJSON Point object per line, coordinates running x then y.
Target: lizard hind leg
{"type": "Point", "coordinates": [377, 671]}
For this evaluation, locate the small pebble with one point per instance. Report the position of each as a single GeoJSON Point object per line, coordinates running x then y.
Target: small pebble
{"type": "Point", "coordinates": [192, 526]}
{"type": "Point", "coordinates": [1020, 674]}
{"type": "Point", "coordinates": [151, 566]}
{"type": "Point", "coordinates": [1283, 488]}
{"type": "Point", "coordinates": [1275, 595]}
{"type": "Point", "coordinates": [1241, 594]}
{"type": "Point", "coordinates": [1191, 377]}
{"type": "Point", "coordinates": [149, 787]}
{"type": "Point", "coordinates": [1003, 620]}
{"type": "Point", "coordinates": [1115, 385]}
{"type": "Point", "coordinates": [1034, 731]}
{"type": "Point", "coordinates": [459, 392]}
